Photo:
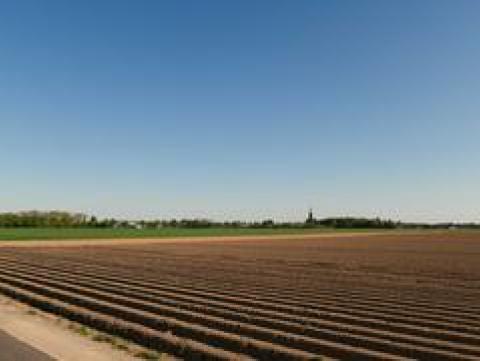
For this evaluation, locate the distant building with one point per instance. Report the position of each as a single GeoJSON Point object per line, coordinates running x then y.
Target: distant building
{"type": "Point", "coordinates": [310, 219]}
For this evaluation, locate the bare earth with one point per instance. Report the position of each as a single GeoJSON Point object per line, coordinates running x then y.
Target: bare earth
{"type": "Point", "coordinates": [143, 241]}
{"type": "Point", "coordinates": [344, 296]}
{"type": "Point", "coordinates": [50, 337]}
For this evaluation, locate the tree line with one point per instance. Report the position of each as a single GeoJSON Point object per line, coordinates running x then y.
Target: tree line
{"type": "Point", "coordinates": [61, 219]}
{"type": "Point", "coordinates": [42, 219]}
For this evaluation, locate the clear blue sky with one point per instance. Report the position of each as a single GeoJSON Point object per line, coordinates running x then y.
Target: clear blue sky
{"type": "Point", "coordinates": [241, 109]}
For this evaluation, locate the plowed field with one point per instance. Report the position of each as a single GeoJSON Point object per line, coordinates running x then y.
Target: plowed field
{"type": "Point", "coordinates": [378, 297]}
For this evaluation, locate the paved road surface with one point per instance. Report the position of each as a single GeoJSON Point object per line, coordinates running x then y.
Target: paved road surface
{"type": "Point", "coordinates": [13, 350]}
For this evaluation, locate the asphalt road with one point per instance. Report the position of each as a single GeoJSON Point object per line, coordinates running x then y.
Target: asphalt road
{"type": "Point", "coordinates": [13, 350]}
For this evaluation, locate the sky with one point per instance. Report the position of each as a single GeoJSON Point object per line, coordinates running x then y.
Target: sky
{"type": "Point", "coordinates": [246, 109]}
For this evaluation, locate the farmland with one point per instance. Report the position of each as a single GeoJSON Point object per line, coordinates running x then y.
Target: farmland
{"type": "Point", "coordinates": [50, 233]}
{"type": "Point", "coordinates": [348, 297]}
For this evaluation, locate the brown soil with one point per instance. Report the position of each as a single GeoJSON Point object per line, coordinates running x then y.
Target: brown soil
{"type": "Point", "coordinates": [352, 297]}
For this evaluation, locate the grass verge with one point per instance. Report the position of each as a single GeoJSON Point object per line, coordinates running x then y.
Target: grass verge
{"type": "Point", "coordinates": [25, 234]}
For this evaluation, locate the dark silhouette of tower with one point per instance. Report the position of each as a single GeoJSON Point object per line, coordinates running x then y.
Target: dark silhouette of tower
{"type": "Point", "coordinates": [310, 219]}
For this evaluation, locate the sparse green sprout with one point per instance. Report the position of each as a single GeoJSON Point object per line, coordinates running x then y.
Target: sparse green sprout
{"type": "Point", "coordinates": [83, 331]}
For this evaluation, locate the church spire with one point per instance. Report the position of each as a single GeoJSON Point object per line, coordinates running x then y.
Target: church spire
{"type": "Point", "coordinates": [310, 218]}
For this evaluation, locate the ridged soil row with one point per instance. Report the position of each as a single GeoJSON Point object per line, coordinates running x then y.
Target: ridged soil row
{"type": "Point", "coordinates": [419, 327]}
{"type": "Point", "coordinates": [428, 333]}
{"type": "Point", "coordinates": [278, 274]}
{"type": "Point", "coordinates": [343, 335]}
{"type": "Point", "coordinates": [394, 310]}
{"type": "Point", "coordinates": [473, 308]}
{"type": "Point", "coordinates": [313, 322]}
{"type": "Point", "coordinates": [164, 342]}
{"type": "Point", "coordinates": [468, 310]}
{"type": "Point", "coordinates": [197, 321]}
{"type": "Point", "coordinates": [296, 324]}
